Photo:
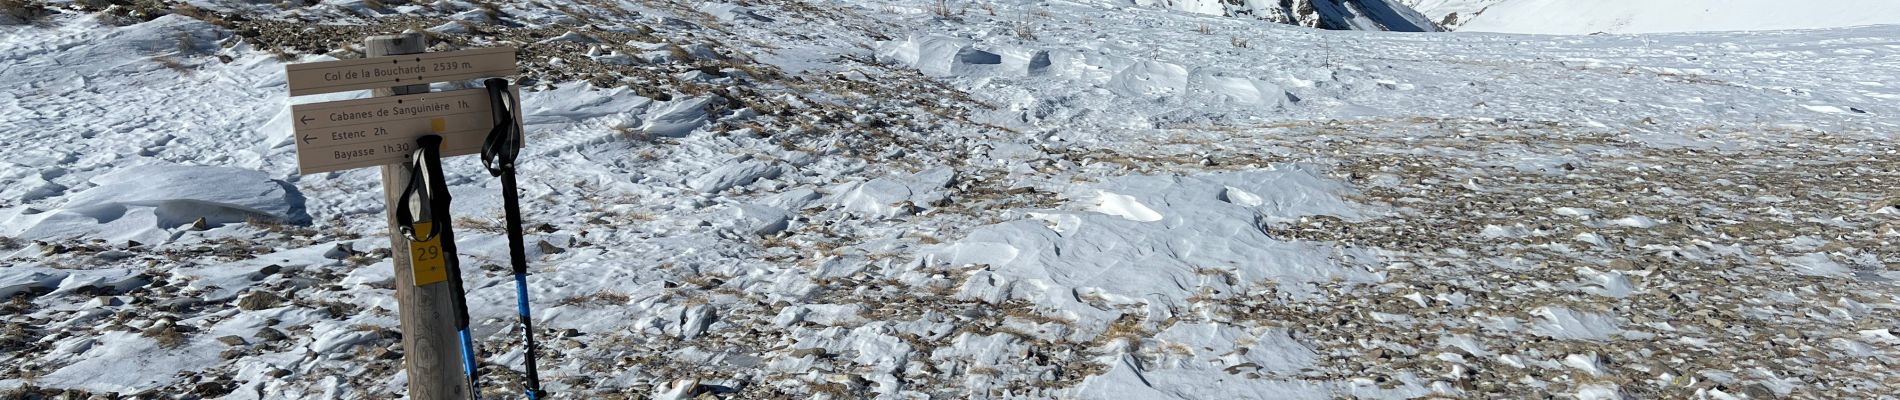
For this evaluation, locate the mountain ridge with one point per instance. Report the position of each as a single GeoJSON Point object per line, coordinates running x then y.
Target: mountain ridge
{"type": "Point", "coordinates": [1364, 15]}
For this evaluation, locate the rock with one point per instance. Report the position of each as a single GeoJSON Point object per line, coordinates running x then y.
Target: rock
{"type": "Point", "coordinates": [570, 332]}
{"type": "Point", "coordinates": [341, 251]}
{"type": "Point", "coordinates": [231, 340]}
{"type": "Point", "coordinates": [277, 373]}
{"type": "Point", "coordinates": [733, 175]}
{"type": "Point", "coordinates": [105, 301]}
{"type": "Point", "coordinates": [270, 335]}
{"type": "Point", "coordinates": [259, 300]}
{"type": "Point", "coordinates": [200, 224]}
{"type": "Point", "coordinates": [571, 36]}
{"type": "Point", "coordinates": [386, 354]}
{"type": "Point", "coordinates": [231, 353]}
{"type": "Point", "coordinates": [1759, 391]}
{"type": "Point", "coordinates": [678, 390]}
{"type": "Point", "coordinates": [758, 220]}
{"type": "Point", "coordinates": [177, 305]}
{"type": "Point", "coordinates": [550, 248]}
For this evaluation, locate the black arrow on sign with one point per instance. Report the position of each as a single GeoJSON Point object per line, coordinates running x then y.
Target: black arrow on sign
{"type": "Point", "coordinates": [306, 120]}
{"type": "Point", "coordinates": [307, 138]}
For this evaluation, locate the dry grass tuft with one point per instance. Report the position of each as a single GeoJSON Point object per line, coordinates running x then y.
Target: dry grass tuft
{"type": "Point", "coordinates": [484, 224]}
{"type": "Point", "coordinates": [173, 64]}
{"type": "Point", "coordinates": [1025, 30]}
{"type": "Point", "coordinates": [605, 297]}
{"type": "Point", "coordinates": [943, 10]}
{"type": "Point", "coordinates": [20, 10]}
{"type": "Point", "coordinates": [167, 337]}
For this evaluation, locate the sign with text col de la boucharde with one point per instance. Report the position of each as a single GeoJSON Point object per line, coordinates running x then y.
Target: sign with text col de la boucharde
{"type": "Point", "coordinates": [349, 134]}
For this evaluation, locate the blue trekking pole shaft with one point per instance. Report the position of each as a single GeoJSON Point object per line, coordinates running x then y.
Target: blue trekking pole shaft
{"type": "Point", "coordinates": [439, 200]}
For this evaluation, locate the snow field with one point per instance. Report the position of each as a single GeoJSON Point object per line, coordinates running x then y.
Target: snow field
{"type": "Point", "coordinates": [853, 199]}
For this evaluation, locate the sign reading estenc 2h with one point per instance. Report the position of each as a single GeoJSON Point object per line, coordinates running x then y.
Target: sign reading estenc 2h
{"type": "Point", "coordinates": [392, 71]}
{"type": "Point", "coordinates": [349, 134]}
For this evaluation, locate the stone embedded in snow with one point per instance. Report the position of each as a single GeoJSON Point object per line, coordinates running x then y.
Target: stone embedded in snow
{"type": "Point", "coordinates": [730, 12]}
{"type": "Point", "coordinates": [336, 341]}
{"type": "Point", "coordinates": [1635, 221]}
{"type": "Point", "coordinates": [108, 281]}
{"type": "Point", "coordinates": [1564, 323]}
{"type": "Point", "coordinates": [795, 199]}
{"type": "Point", "coordinates": [1241, 197]}
{"type": "Point", "coordinates": [614, 58]}
{"type": "Point", "coordinates": [474, 16]}
{"type": "Point", "coordinates": [450, 27]}
{"type": "Point", "coordinates": [104, 301]}
{"type": "Point", "coordinates": [572, 37]}
{"type": "Point", "coordinates": [14, 281]}
{"type": "Point", "coordinates": [155, 203]}
{"type": "Point", "coordinates": [1586, 362]}
{"type": "Point", "coordinates": [1495, 231]}
{"type": "Point", "coordinates": [890, 197]}
{"type": "Point", "coordinates": [1600, 391]}
{"type": "Point", "coordinates": [1816, 264]}
{"type": "Point", "coordinates": [761, 220]}
{"type": "Point", "coordinates": [682, 389]}
{"type": "Point", "coordinates": [676, 118]}
{"type": "Point", "coordinates": [695, 320]}
{"type": "Point", "coordinates": [733, 175]}
{"type": "Point", "coordinates": [1124, 206]}
{"type": "Point", "coordinates": [702, 52]}
{"type": "Point", "coordinates": [1592, 238]}
{"type": "Point", "coordinates": [1608, 284]}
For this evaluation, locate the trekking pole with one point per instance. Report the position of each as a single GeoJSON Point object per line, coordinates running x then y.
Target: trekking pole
{"type": "Point", "coordinates": [498, 155]}
{"type": "Point", "coordinates": [426, 167]}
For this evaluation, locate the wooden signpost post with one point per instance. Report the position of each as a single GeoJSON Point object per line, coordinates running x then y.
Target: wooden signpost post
{"type": "Point", "coordinates": [382, 131]}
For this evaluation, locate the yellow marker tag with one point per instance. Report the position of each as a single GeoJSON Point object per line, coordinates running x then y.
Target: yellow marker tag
{"type": "Point", "coordinates": [439, 125]}
{"type": "Point", "coordinates": [425, 258]}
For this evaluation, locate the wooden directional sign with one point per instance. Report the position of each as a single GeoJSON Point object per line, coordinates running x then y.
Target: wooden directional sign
{"type": "Point", "coordinates": [392, 71]}
{"type": "Point", "coordinates": [350, 134]}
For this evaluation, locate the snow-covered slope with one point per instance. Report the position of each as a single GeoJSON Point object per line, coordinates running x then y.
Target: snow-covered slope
{"type": "Point", "coordinates": [1451, 14]}
{"type": "Point", "coordinates": [850, 199]}
{"type": "Point", "coordinates": [1650, 16]}
{"type": "Point", "coordinates": [1365, 15]}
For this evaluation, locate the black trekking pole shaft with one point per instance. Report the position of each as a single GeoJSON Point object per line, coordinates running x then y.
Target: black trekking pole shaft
{"type": "Point", "coordinates": [498, 154]}
{"type": "Point", "coordinates": [518, 255]}
{"type": "Point", "coordinates": [439, 200]}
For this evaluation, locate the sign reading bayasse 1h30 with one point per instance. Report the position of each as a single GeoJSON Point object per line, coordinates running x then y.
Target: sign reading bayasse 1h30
{"type": "Point", "coordinates": [350, 134]}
